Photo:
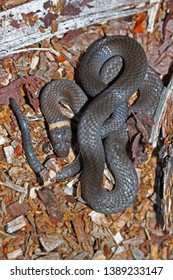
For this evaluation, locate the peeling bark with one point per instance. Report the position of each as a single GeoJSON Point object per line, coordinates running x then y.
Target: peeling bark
{"type": "Point", "coordinates": [33, 22]}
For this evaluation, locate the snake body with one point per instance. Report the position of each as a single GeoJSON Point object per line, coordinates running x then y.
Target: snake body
{"type": "Point", "coordinates": [59, 125]}
{"type": "Point", "coordinates": [26, 138]}
{"type": "Point", "coordinates": [102, 131]}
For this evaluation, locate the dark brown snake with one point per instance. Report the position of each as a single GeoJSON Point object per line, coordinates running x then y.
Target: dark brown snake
{"type": "Point", "coordinates": [102, 131]}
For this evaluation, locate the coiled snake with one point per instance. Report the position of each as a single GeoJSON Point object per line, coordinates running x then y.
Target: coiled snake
{"type": "Point", "coordinates": [102, 131]}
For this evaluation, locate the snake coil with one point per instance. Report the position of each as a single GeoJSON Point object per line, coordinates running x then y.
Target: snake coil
{"type": "Point", "coordinates": [102, 130]}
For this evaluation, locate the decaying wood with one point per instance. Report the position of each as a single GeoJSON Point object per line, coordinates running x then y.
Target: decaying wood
{"type": "Point", "coordinates": [160, 113]}
{"type": "Point", "coordinates": [168, 193]}
{"type": "Point", "coordinates": [162, 121]}
{"type": "Point", "coordinates": [16, 224]}
{"type": "Point", "coordinates": [32, 22]}
{"type": "Point", "coordinates": [8, 183]}
{"type": "Point", "coordinates": [50, 242]}
{"type": "Point", "coordinates": [152, 15]}
{"type": "Point", "coordinates": [13, 255]}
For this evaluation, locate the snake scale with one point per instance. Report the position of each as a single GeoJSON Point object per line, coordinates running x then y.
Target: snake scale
{"type": "Point", "coordinates": [111, 70]}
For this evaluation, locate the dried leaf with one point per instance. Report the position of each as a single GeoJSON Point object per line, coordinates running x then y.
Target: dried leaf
{"type": "Point", "coordinates": [32, 86]}
{"type": "Point", "coordinates": [71, 35]}
{"type": "Point", "coordinates": [18, 150]}
{"type": "Point", "coordinates": [138, 150]}
{"type": "Point", "coordinates": [31, 83]}
{"type": "Point", "coordinates": [139, 128]}
{"type": "Point", "coordinates": [139, 27]}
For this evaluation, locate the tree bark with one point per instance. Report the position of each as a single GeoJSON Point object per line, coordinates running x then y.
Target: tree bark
{"type": "Point", "coordinates": [35, 21]}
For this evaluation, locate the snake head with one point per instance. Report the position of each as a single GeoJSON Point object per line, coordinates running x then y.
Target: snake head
{"type": "Point", "coordinates": [61, 140]}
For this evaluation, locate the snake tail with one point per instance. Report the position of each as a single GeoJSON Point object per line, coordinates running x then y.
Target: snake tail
{"type": "Point", "coordinates": [31, 158]}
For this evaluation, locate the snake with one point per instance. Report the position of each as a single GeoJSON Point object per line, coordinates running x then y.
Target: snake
{"type": "Point", "coordinates": [112, 69]}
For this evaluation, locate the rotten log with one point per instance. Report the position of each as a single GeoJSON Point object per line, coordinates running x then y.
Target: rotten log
{"type": "Point", "coordinates": [35, 21]}
{"type": "Point", "coordinates": [162, 123]}
{"type": "Point", "coordinates": [160, 112]}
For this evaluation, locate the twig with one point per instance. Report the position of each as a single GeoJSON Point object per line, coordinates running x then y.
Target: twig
{"type": "Point", "coordinates": [141, 128]}
{"type": "Point", "coordinates": [152, 15]}
{"type": "Point", "coordinates": [6, 53]}
{"type": "Point", "coordinates": [12, 186]}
